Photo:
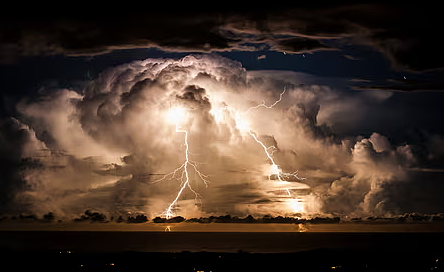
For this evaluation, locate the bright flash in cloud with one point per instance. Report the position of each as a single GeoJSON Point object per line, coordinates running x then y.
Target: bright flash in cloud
{"type": "Point", "coordinates": [177, 116]}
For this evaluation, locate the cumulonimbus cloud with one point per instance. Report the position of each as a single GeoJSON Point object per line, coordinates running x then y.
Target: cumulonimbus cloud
{"type": "Point", "coordinates": [110, 146]}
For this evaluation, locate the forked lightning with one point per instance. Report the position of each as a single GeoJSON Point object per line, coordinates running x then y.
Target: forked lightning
{"type": "Point", "coordinates": [179, 115]}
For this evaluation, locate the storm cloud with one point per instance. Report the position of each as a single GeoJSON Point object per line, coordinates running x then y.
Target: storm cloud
{"type": "Point", "coordinates": [110, 146]}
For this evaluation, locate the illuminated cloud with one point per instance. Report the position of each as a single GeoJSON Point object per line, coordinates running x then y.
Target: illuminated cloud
{"type": "Point", "coordinates": [109, 147]}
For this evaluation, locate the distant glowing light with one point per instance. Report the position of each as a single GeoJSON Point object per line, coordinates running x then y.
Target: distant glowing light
{"type": "Point", "coordinates": [218, 114]}
{"type": "Point", "coordinates": [177, 116]}
{"type": "Point", "coordinates": [242, 124]}
{"type": "Point", "coordinates": [274, 170]}
{"type": "Point", "coordinates": [296, 205]}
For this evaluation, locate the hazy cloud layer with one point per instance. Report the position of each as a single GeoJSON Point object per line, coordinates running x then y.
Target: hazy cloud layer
{"type": "Point", "coordinates": [108, 147]}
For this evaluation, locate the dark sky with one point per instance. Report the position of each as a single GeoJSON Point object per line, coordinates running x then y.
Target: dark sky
{"type": "Point", "coordinates": [352, 47]}
{"type": "Point", "coordinates": [372, 41]}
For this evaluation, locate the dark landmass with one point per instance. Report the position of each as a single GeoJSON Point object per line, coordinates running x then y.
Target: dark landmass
{"type": "Point", "coordinates": [93, 216]}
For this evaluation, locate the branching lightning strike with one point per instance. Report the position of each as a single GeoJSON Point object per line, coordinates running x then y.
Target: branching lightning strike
{"type": "Point", "coordinates": [176, 116]}
{"type": "Point", "coordinates": [274, 168]}
{"type": "Point", "coordinates": [264, 105]}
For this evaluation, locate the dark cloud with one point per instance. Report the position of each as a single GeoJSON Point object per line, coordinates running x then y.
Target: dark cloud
{"type": "Point", "coordinates": [300, 44]}
{"type": "Point", "coordinates": [406, 35]}
{"type": "Point", "coordinates": [16, 140]}
{"type": "Point", "coordinates": [79, 36]}
{"type": "Point", "coordinates": [405, 85]}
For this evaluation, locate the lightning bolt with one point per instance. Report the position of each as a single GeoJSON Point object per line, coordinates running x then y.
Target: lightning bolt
{"type": "Point", "coordinates": [183, 171]}
{"type": "Point", "coordinates": [242, 125]}
{"type": "Point", "coordinates": [274, 168]}
{"type": "Point", "coordinates": [265, 106]}
{"type": "Point", "coordinates": [184, 177]}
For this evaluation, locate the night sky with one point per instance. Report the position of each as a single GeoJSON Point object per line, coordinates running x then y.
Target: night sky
{"type": "Point", "coordinates": [364, 83]}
